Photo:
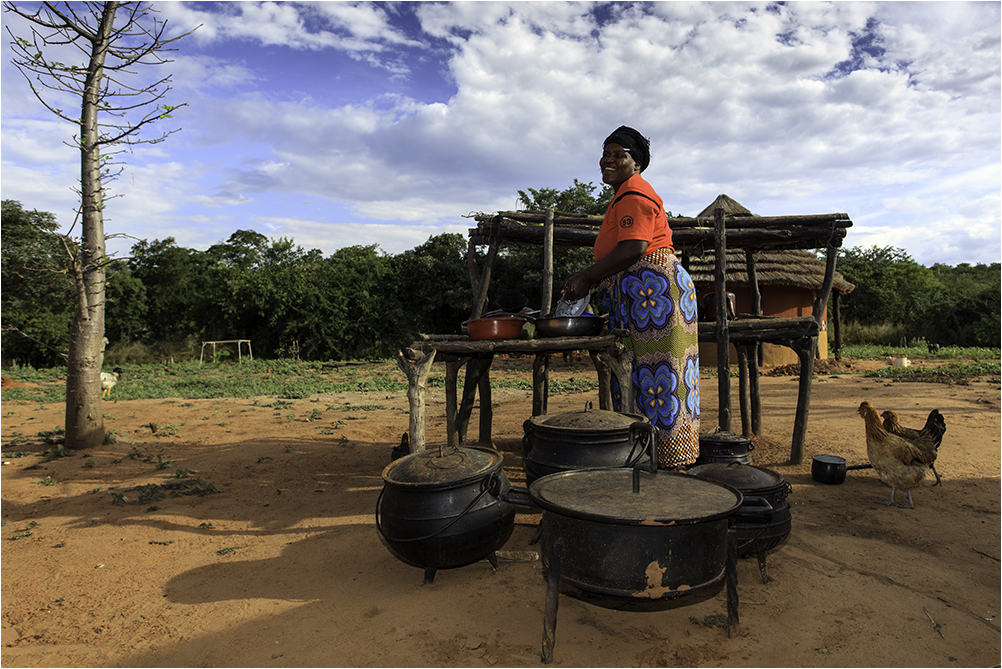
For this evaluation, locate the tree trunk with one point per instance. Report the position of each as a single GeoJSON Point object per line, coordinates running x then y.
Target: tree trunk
{"type": "Point", "coordinates": [84, 417]}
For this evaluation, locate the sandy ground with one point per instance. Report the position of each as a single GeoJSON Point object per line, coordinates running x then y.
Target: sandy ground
{"type": "Point", "coordinates": [284, 567]}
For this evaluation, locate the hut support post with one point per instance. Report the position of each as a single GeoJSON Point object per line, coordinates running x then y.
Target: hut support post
{"type": "Point", "coordinates": [723, 335]}
{"type": "Point", "coordinates": [415, 365]}
{"type": "Point", "coordinates": [547, 263]}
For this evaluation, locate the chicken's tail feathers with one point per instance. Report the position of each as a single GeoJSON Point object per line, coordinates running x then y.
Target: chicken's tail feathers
{"type": "Point", "coordinates": [935, 422]}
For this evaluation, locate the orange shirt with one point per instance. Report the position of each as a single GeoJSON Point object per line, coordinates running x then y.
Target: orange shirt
{"type": "Point", "coordinates": [636, 212]}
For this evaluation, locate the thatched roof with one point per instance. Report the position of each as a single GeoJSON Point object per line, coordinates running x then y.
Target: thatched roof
{"type": "Point", "coordinates": [797, 268]}
{"type": "Point", "coordinates": [731, 207]}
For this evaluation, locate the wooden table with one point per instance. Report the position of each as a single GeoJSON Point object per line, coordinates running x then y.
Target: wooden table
{"type": "Point", "coordinates": [606, 352]}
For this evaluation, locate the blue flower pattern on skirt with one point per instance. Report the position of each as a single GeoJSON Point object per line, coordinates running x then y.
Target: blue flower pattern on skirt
{"type": "Point", "coordinates": [687, 301]}
{"type": "Point", "coordinates": [691, 379]}
{"type": "Point", "coordinates": [657, 392]}
{"type": "Point", "coordinates": [649, 299]}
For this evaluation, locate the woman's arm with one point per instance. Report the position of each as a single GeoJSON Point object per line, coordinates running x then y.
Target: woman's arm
{"type": "Point", "coordinates": [625, 254]}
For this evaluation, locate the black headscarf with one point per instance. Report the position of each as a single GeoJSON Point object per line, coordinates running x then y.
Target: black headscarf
{"type": "Point", "coordinates": [628, 138]}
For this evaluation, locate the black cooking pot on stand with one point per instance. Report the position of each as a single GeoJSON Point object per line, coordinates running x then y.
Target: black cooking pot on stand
{"type": "Point", "coordinates": [764, 520]}
{"type": "Point", "coordinates": [586, 439]}
{"type": "Point", "coordinates": [442, 508]}
{"type": "Point", "coordinates": [639, 534]}
{"type": "Point", "coordinates": [725, 447]}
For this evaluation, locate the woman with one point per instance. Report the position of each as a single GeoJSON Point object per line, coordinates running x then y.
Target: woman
{"type": "Point", "coordinates": [648, 293]}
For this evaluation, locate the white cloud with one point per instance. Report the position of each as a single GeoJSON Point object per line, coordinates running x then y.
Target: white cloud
{"type": "Point", "coordinates": [750, 99]}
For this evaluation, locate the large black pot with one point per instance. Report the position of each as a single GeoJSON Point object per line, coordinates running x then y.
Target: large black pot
{"type": "Point", "coordinates": [442, 508]}
{"type": "Point", "coordinates": [635, 534]}
{"type": "Point", "coordinates": [764, 520]}
{"type": "Point", "coordinates": [725, 447]}
{"type": "Point", "coordinates": [586, 439]}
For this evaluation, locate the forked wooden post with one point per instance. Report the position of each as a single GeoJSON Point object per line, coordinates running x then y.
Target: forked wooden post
{"type": "Point", "coordinates": [415, 366]}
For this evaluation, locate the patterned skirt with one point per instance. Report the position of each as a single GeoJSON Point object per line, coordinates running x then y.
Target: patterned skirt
{"type": "Point", "coordinates": [655, 301]}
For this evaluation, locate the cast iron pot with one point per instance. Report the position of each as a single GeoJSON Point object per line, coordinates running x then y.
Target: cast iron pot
{"type": "Point", "coordinates": [831, 469]}
{"type": "Point", "coordinates": [569, 326]}
{"type": "Point", "coordinates": [442, 508]}
{"type": "Point", "coordinates": [501, 327]}
{"type": "Point", "coordinates": [724, 447]}
{"type": "Point", "coordinates": [639, 534]}
{"type": "Point", "coordinates": [763, 522]}
{"type": "Point", "coordinates": [586, 439]}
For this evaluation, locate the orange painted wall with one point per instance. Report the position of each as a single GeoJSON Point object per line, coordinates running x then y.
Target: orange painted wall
{"type": "Point", "coordinates": [777, 301]}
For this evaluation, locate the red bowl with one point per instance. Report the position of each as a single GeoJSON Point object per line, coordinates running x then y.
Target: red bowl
{"type": "Point", "coordinates": [495, 328]}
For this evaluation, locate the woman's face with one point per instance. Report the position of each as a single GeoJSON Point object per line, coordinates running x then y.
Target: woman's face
{"type": "Point", "coordinates": [617, 165]}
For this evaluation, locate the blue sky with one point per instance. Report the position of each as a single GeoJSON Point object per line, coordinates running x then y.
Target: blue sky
{"type": "Point", "coordinates": [337, 124]}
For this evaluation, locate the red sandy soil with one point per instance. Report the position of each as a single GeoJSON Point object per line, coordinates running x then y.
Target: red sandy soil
{"type": "Point", "coordinates": [308, 582]}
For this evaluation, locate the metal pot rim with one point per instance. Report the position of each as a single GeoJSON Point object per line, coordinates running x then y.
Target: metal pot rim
{"type": "Point", "coordinates": [421, 471]}
{"type": "Point", "coordinates": [565, 493]}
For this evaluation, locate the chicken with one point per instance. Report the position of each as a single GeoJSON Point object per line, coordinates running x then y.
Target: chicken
{"type": "Point", "coordinates": [935, 426]}
{"type": "Point", "coordinates": [108, 381]}
{"type": "Point", "coordinates": [899, 463]}
{"type": "Point", "coordinates": [403, 449]}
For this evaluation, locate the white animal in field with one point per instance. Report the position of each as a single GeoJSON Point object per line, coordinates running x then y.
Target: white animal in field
{"type": "Point", "coordinates": [108, 381]}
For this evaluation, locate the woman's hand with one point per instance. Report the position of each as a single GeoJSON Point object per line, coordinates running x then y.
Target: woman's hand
{"type": "Point", "coordinates": [577, 286]}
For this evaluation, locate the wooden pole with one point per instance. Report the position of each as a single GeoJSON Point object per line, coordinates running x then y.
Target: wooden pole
{"type": "Point", "coordinates": [547, 263]}
{"type": "Point", "coordinates": [415, 366]}
{"type": "Point", "coordinates": [753, 389]}
{"type": "Point", "coordinates": [806, 349]}
{"type": "Point", "coordinates": [755, 294]}
{"type": "Point", "coordinates": [540, 383]}
{"type": "Point", "coordinates": [837, 324]}
{"type": "Point", "coordinates": [743, 350]}
{"type": "Point", "coordinates": [485, 280]}
{"type": "Point", "coordinates": [723, 338]}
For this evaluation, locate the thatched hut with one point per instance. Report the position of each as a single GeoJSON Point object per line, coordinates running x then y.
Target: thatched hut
{"type": "Point", "coordinates": [788, 280]}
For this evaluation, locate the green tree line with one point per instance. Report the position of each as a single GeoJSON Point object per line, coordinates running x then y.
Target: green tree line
{"type": "Point", "coordinates": [362, 303]}
{"type": "Point", "coordinates": [951, 306]}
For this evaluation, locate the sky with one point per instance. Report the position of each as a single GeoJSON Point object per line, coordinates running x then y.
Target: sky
{"type": "Point", "coordinates": [338, 124]}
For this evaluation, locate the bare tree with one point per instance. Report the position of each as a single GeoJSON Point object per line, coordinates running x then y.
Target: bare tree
{"type": "Point", "coordinates": [109, 40]}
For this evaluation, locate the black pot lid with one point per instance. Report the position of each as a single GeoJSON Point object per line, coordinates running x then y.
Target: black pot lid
{"type": "Point", "coordinates": [442, 468]}
{"type": "Point", "coordinates": [589, 419]}
{"type": "Point", "coordinates": [743, 477]}
{"type": "Point", "coordinates": [724, 438]}
{"type": "Point", "coordinates": [606, 495]}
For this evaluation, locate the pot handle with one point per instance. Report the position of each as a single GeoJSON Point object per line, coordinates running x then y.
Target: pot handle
{"type": "Point", "coordinates": [509, 496]}
{"type": "Point", "coordinates": [526, 439]}
{"type": "Point", "coordinates": [638, 431]}
{"type": "Point", "coordinates": [756, 506]}
{"type": "Point", "coordinates": [652, 466]}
